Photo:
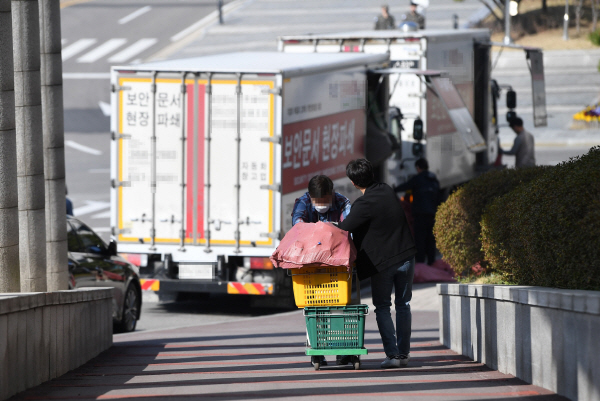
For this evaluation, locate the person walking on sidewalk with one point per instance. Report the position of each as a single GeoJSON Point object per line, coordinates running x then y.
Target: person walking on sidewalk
{"type": "Point", "coordinates": [385, 20]}
{"type": "Point", "coordinates": [385, 253]}
{"type": "Point", "coordinates": [414, 16]}
{"type": "Point", "coordinates": [426, 190]}
{"type": "Point", "coordinates": [523, 147]}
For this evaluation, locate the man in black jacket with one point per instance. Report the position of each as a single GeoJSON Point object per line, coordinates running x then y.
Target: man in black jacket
{"type": "Point", "coordinates": [426, 188]}
{"type": "Point", "coordinates": [386, 252]}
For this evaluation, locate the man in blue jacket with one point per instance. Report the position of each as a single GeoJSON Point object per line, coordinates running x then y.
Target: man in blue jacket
{"type": "Point", "coordinates": [425, 189]}
{"type": "Point", "coordinates": [385, 253]}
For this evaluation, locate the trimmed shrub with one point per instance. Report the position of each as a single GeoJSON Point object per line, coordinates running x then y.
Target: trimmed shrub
{"type": "Point", "coordinates": [547, 233]}
{"type": "Point", "coordinates": [457, 222]}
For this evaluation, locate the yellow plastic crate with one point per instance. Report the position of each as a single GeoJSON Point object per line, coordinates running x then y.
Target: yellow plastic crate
{"type": "Point", "coordinates": [322, 286]}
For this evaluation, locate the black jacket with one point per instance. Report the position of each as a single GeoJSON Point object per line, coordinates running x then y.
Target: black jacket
{"type": "Point", "coordinates": [426, 192]}
{"type": "Point", "coordinates": [379, 230]}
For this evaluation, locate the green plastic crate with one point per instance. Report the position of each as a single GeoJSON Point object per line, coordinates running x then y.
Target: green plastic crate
{"type": "Point", "coordinates": [336, 327]}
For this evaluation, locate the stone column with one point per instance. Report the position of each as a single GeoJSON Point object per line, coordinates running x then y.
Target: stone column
{"type": "Point", "coordinates": [9, 217]}
{"type": "Point", "coordinates": [54, 145]}
{"type": "Point", "coordinates": [30, 151]}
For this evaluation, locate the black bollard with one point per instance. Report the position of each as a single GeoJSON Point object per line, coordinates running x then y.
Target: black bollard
{"type": "Point", "coordinates": [455, 18]}
{"type": "Point", "coordinates": [220, 6]}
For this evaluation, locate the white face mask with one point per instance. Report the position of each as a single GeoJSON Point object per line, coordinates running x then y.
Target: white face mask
{"type": "Point", "coordinates": [321, 209]}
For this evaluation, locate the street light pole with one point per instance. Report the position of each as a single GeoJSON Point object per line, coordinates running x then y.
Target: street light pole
{"type": "Point", "coordinates": [507, 39]}
{"type": "Point", "coordinates": [566, 21]}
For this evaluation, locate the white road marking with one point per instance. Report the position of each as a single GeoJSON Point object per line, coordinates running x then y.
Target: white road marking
{"type": "Point", "coordinates": [132, 50]}
{"type": "Point", "coordinates": [192, 28]}
{"type": "Point", "coordinates": [103, 215]}
{"type": "Point", "coordinates": [83, 148]}
{"type": "Point", "coordinates": [90, 207]}
{"type": "Point", "coordinates": [76, 47]}
{"type": "Point", "coordinates": [86, 75]}
{"type": "Point", "coordinates": [134, 15]}
{"type": "Point", "coordinates": [63, 41]}
{"type": "Point", "coordinates": [105, 107]}
{"type": "Point", "coordinates": [102, 50]}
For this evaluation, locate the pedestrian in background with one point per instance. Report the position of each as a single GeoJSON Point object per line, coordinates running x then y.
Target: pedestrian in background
{"type": "Point", "coordinates": [385, 20]}
{"type": "Point", "coordinates": [425, 188]}
{"type": "Point", "coordinates": [523, 147]}
{"type": "Point", "coordinates": [385, 253]}
{"type": "Point", "coordinates": [414, 16]}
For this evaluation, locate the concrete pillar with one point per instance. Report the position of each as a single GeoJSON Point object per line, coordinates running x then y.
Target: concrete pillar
{"type": "Point", "coordinates": [54, 145]}
{"type": "Point", "coordinates": [30, 151]}
{"type": "Point", "coordinates": [9, 216]}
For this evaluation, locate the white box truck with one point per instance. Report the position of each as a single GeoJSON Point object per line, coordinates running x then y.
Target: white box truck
{"type": "Point", "coordinates": [209, 154]}
{"type": "Point", "coordinates": [428, 68]}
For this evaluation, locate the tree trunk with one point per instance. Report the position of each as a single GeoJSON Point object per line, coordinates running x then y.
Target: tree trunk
{"type": "Point", "coordinates": [578, 16]}
{"type": "Point", "coordinates": [545, 6]}
{"type": "Point", "coordinates": [54, 145]}
{"type": "Point", "coordinates": [30, 151]}
{"type": "Point", "coordinates": [9, 212]}
{"type": "Point", "coordinates": [594, 14]}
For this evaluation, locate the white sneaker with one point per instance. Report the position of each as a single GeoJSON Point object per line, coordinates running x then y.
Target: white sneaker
{"type": "Point", "coordinates": [404, 360]}
{"type": "Point", "coordinates": [390, 363]}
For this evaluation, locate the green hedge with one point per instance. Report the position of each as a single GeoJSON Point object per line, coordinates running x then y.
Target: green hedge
{"type": "Point", "coordinates": [457, 222]}
{"type": "Point", "coordinates": [547, 233]}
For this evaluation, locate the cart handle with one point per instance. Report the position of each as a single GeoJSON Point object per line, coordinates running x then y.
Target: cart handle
{"type": "Point", "coordinates": [289, 273]}
{"type": "Point", "coordinates": [340, 314]}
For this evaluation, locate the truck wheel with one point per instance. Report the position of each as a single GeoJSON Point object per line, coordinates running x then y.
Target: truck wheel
{"type": "Point", "coordinates": [131, 304]}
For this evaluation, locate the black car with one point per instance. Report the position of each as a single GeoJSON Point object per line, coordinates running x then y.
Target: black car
{"type": "Point", "coordinates": [92, 263]}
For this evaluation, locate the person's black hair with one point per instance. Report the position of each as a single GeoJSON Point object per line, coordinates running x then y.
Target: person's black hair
{"type": "Point", "coordinates": [360, 172]}
{"type": "Point", "coordinates": [422, 164]}
{"type": "Point", "coordinates": [516, 122]}
{"type": "Point", "coordinates": [385, 7]}
{"type": "Point", "coordinates": [320, 186]}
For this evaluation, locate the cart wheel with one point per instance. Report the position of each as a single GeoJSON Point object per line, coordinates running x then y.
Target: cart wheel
{"type": "Point", "coordinates": [316, 362]}
{"type": "Point", "coordinates": [356, 361]}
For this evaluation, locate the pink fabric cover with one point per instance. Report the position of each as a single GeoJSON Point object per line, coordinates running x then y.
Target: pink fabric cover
{"type": "Point", "coordinates": [317, 244]}
{"type": "Point", "coordinates": [438, 272]}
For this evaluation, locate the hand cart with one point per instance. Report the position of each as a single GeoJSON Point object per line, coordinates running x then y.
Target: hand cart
{"type": "Point", "coordinates": [334, 322]}
{"type": "Point", "coordinates": [336, 330]}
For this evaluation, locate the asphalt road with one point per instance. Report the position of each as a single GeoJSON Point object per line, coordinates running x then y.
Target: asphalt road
{"type": "Point", "coordinates": [96, 35]}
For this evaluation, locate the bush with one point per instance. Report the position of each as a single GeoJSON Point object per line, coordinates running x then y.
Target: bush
{"type": "Point", "coordinates": [457, 222]}
{"type": "Point", "coordinates": [594, 37]}
{"type": "Point", "coordinates": [547, 233]}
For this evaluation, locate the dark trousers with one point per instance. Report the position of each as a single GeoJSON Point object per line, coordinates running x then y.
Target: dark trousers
{"type": "Point", "coordinates": [424, 239]}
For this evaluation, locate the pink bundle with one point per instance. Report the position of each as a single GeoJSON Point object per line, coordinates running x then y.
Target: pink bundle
{"type": "Point", "coordinates": [314, 244]}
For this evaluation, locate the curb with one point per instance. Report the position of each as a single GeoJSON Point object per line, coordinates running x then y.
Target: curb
{"type": "Point", "coordinates": [196, 30]}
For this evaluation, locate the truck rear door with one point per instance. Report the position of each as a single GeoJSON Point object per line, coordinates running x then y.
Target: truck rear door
{"type": "Point", "coordinates": [187, 171]}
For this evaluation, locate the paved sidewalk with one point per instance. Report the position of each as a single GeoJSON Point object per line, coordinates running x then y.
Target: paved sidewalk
{"type": "Point", "coordinates": [263, 357]}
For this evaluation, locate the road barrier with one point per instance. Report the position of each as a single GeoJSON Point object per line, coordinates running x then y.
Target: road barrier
{"type": "Point", "coordinates": [45, 335]}
{"type": "Point", "coordinates": [544, 336]}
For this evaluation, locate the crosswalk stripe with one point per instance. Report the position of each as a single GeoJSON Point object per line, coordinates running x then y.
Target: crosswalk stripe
{"type": "Point", "coordinates": [134, 15]}
{"type": "Point", "coordinates": [132, 50]}
{"type": "Point", "coordinates": [76, 47]}
{"type": "Point", "coordinates": [102, 50]}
